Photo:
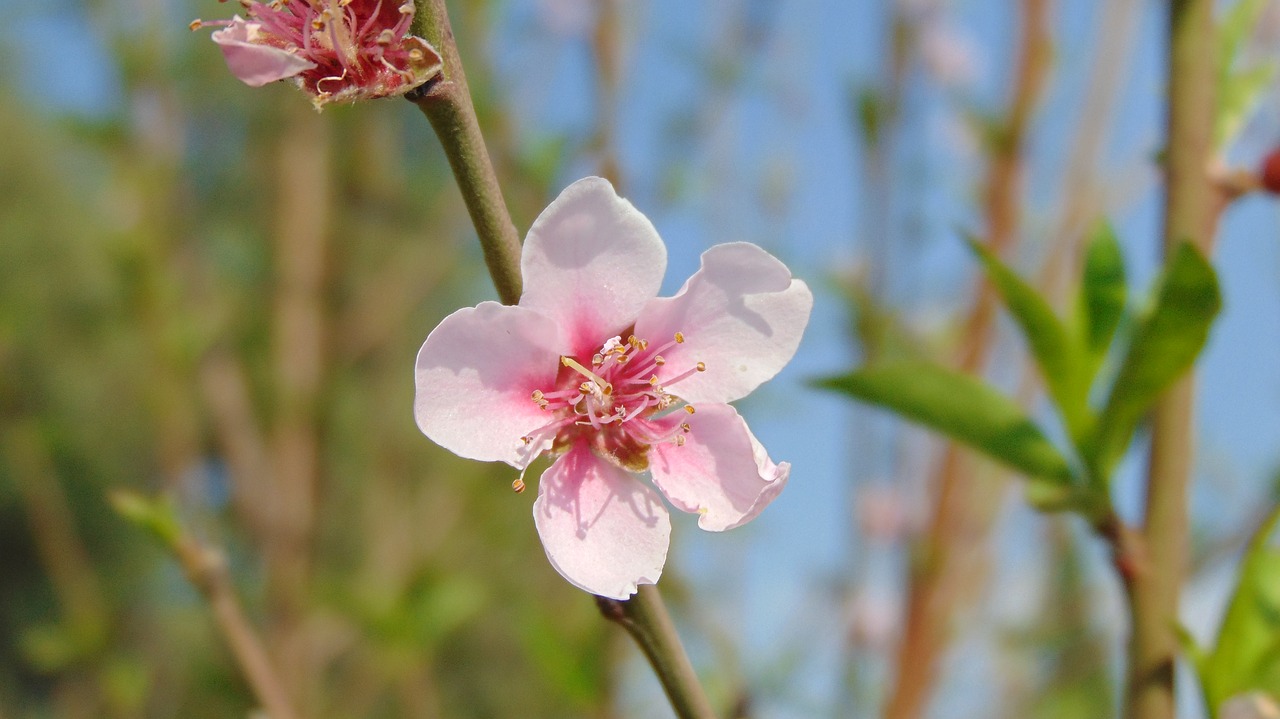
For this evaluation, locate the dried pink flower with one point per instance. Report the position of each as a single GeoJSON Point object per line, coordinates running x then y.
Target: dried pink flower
{"type": "Point", "coordinates": [335, 50]}
{"type": "Point", "coordinates": [554, 375]}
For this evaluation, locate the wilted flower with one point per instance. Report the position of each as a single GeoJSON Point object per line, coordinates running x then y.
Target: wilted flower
{"type": "Point", "coordinates": [335, 50]}
{"type": "Point", "coordinates": [592, 368]}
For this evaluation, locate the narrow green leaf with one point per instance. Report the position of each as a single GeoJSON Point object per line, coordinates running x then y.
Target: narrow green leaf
{"type": "Point", "coordinates": [1245, 655]}
{"type": "Point", "coordinates": [1236, 24]}
{"type": "Point", "coordinates": [961, 407]}
{"type": "Point", "coordinates": [1164, 345]}
{"type": "Point", "coordinates": [1103, 293]}
{"type": "Point", "coordinates": [1058, 357]}
{"type": "Point", "coordinates": [1238, 97]}
{"type": "Point", "coordinates": [1239, 90]}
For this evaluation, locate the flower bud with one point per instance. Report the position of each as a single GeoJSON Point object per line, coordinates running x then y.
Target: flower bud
{"type": "Point", "coordinates": [1270, 172]}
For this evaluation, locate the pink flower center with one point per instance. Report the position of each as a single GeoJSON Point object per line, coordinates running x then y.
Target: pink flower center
{"type": "Point", "coordinates": [621, 404]}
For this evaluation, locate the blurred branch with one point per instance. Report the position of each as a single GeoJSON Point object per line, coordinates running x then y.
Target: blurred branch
{"type": "Point", "coordinates": [645, 618]}
{"type": "Point", "coordinates": [226, 392]}
{"type": "Point", "coordinates": [302, 225]}
{"type": "Point", "coordinates": [1190, 214]}
{"type": "Point", "coordinates": [965, 509]}
{"type": "Point", "coordinates": [206, 569]}
{"type": "Point", "coordinates": [606, 45]}
{"type": "Point", "coordinates": [63, 554]}
{"type": "Point", "coordinates": [446, 101]}
{"type": "Point", "coordinates": [1115, 26]}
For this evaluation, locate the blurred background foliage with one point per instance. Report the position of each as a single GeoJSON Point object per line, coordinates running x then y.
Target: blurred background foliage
{"type": "Point", "coordinates": [214, 294]}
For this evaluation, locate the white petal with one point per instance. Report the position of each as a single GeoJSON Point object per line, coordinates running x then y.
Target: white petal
{"type": "Point", "coordinates": [721, 472]}
{"type": "Point", "coordinates": [252, 61]}
{"type": "Point", "coordinates": [603, 530]}
{"type": "Point", "coordinates": [590, 263]}
{"type": "Point", "coordinates": [741, 314]}
{"type": "Point", "coordinates": [475, 374]}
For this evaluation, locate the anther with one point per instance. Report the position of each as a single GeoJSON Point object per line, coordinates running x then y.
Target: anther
{"type": "Point", "coordinates": [685, 426]}
{"type": "Point", "coordinates": [679, 338]}
{"type": "Point", "coordinates": [527, 440]}
{"type": "Point", "coordinates": [659, 360]}
{"type": "Point", "coordinates": [688, 408]}
{"type": "Point", "coordinates": [680, 440]}
{"type": "Point", "coordinates": [518, 485]}
{"type": "Point", "coordinates": [653, 381]}
{"type": "Point", "coordinates": [702, 366]}
{"type": "Point", "coordinates": [196, 24]}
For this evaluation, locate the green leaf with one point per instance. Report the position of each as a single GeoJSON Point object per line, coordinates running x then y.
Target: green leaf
{"type": "Point", "coordinates": [1236, 24]}
{"type": "Point", "coordinates": [1239, 91]}
{"type": "Point", "coordinates": [1247, 653]}
{"type": "Point", "coordinates": [1164, 345]}
{"type": "Point", "coordinates": [156, 516]}
{"type": "Point", "coordinates": [1238, 97]}
{"type": "Point", "coordinates": [1055, 353]}
{"type": "Point", "coordinates": [1103, 294]}
{"type": "Point", "coordinates": [961, 407]}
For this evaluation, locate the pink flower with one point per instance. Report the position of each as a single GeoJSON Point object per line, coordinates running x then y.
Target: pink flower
{"type": "Point", "coordinates": [595, 370]}
{"type": "Point", "coordinates": [335, 50]}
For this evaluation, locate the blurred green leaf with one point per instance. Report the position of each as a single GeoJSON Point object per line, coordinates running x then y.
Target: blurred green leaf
{"type": "Point", "coordinates": [1164, 345]}
{"type": "Point", "coordinates": [1103, 294]}
{"type": "Point", "coordinates": [1238, 96]}
{"type": "Point", "coordinates": [156, 516]}
{"type": "Point", "coordinates": [1234, 29]}
{"type": "Point", "coordinates": [961, 407]}
{"type": "Point", "coordinates": [1247, 654]}
{"type": "Point", "coordinates": [1238, 90]}
{"type": "Point", "coordinates": [1058, 357]}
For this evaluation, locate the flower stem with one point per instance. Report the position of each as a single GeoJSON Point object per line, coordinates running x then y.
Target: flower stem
{"type": "Point", "coordinates": [446, 101]}
{"type": "Point", "coordinates": [645, 618]}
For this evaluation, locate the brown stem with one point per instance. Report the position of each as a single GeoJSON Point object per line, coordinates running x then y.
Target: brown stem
{"type": "Point", "coordinates": [645, 618]}
{"type": "Point", "coordinates": [446, 101]}
{"type": "Point", "coordinates": [63, 554]}
{"type": "Point", "coordinates": [301, 238]}
{"type": "Point", "coordinates": [207, 570]}
{"type": "Point", "coordinates": [1191, 208]}
{"type": "Point", "coordinates": [964, 506]}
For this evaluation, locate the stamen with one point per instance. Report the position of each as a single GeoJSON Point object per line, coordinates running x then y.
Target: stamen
{"type": "Point", "coordinates": [573, 364]}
